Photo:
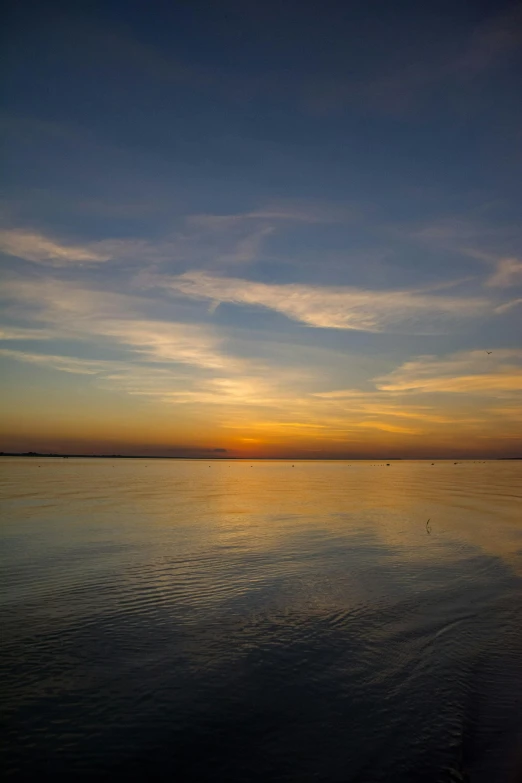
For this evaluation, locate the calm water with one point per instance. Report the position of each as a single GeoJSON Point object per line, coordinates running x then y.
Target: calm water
{"type": "Point", "coordinates": [261, 622]}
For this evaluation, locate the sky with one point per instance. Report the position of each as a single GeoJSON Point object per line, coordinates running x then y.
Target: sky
{"type": "Point", "coordinates": [262, 229]}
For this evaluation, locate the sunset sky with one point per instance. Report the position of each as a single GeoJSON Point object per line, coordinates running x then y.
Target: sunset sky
{"type": "Point", "coordinates": [273, 228]}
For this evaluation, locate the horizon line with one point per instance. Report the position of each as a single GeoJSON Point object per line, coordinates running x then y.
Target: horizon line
{"type": "Point", "coordinates": [216, 458]}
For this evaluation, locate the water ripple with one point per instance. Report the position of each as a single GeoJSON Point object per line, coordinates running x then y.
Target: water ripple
{"type": "Point", "coordinates": [261, 624]}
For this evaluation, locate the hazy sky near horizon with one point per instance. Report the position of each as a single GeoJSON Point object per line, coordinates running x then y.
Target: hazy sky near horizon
{"type": "Point", "coordinates": [275, 228]}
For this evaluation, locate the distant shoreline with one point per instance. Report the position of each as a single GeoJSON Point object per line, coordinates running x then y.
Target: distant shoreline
{"type": "Point", "coordinates": [214, 457]}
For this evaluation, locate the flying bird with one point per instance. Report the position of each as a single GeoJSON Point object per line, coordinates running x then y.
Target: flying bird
{"type": "Point", "coordinates": [488, 352]}
{"type": "Point", "coordinates": [428, 528]}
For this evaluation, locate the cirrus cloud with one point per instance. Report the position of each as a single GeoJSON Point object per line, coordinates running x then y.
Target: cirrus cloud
{"type": "Point", "coordinates": [334, 307]}
{"type": "Point", "coordinates": [473, 372]}
{"type": "Point", "coordinates": [33, 246]}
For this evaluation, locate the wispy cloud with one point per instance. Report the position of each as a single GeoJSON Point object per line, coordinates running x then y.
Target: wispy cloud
{"type": "Point", "coordinates": [162, 341]}
{"type": "Point", "coordinates": [470, 393]}
{"type": "Point", "coordinates": [383, 405]}
{"type": "Point", "coordinates": [335, 308]}
{"type": "Point", "coordinates": [220, 240]}
{"type": "Point", "coordinates": [236, 391]}
{"type": "Point", "coordinates": [504, 308]}
{"type": "Point", "coordinates": [41, 249]}
{"type": "Point", "coordinates": [65, 304]}
{"type": "Point", "coordinates": [205, 240]}
{"type": "Point", "coordinates": [70, 364]}
{"type": "Point", "coordinates": [474, 236]}
{"type": "Point", "coordinates": [490, 244]}
{"type": "Point", "coordinates": [76, 313]}
{"type": "Point", "coordinates": [386, 426]}
{"type": "Point", "coordinates": [474, 372]}
{"type": "Point", "coordinates": [184, 364]}
{"type": "Point", "coordinates": [22, 333]}
{"type": "Point", "coordinates": [171, 362]}
{"type": "Point", "coordinates": [202, 240]}
{"type": "Point", "coordinates": [507, 273]}
{"type": "Point", "coordinates": [163, 382]}
{"type": "Point", "coordinates": [281, 404]}
{"type": "Point", "coordinates": [449, 232]}
{"type": "Point", "coordinates": [33, 246]}
{"type": "Point", "coordinates": [303, 211]}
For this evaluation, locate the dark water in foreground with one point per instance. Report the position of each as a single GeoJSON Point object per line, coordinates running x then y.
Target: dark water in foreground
{"type": "Point", "coordinates": [167, 620]}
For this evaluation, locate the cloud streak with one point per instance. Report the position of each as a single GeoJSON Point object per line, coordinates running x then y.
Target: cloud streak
{"type": "Point", "coordinates": [22, 333]}
{"type": "Point", "coordinates": [474, 372]}
{"type": "Point", "coordinates": [508, 273]}
{"type": "Point", "coordinates": [33, 246]}
{"type": "Point", "coordinates": [215, 240]}
{"type": "Point", "coordinates": [335, 308]}
{"type": "Point", "coordinates": [76, 313]}
{"type": "Point", "coordinates": [70, 364]}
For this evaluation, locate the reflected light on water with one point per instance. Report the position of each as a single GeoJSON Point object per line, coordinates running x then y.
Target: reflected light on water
{"type": "Point", "coordinates": [262, 620]}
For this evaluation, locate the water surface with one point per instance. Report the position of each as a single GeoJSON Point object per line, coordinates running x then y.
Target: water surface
{"type": "Point", "coordinates": [254, 621]}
